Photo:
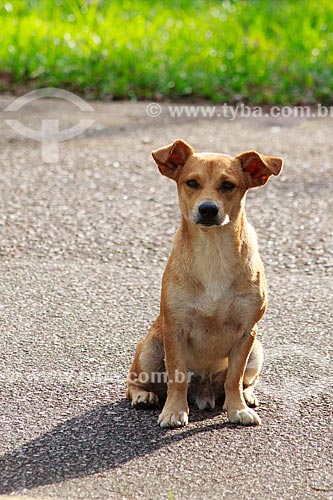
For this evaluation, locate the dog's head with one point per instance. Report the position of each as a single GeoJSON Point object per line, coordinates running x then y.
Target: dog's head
{"type": "Point", "coordinates": [211, 186]}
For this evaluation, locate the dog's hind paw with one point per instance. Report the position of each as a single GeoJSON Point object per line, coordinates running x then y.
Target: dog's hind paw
{"type": "Point", "coordinates": [144, 398]}
{"type": "Point", "coordinates": [250, 398]}
{"type": "Point", "coordinates": [245, 416]}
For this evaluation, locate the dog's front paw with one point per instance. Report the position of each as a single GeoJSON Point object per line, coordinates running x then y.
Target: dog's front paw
{"type": "Point", "coordinates": [245, 416]}
{"type": "Point", "coordinates": [173, 418]}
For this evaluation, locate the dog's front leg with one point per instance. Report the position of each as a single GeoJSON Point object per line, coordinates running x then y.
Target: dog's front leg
{"type": "Point", "coordinates": [238, 412]}
{"type": "Point", "coordinates": [175, 411]}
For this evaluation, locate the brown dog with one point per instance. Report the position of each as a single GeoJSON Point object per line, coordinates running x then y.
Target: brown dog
{"type": "Point", "coordinates": [213, 291]}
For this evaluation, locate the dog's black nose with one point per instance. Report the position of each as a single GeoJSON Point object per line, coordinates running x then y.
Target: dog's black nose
{"type": "Point", "coordinates": [208, 210]}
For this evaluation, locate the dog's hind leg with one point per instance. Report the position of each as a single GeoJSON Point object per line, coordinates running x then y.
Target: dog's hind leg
{"type": "Point", "coordinates": [146, 381]}
{"type": "Point", "coordinates": [252, 372]}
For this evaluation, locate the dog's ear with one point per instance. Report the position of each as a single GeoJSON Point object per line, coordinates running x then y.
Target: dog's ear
{"type": "Point", "coordinates": [258, 168]}
{"type": "Point", "coordinates": [171, 157]}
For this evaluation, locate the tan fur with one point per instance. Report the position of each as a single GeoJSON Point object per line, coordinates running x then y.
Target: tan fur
{"type": "Point", "coordinates": [213, 291]}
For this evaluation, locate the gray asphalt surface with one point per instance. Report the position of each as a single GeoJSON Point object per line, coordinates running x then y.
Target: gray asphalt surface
{"type": "Point", "coordinates": [83, 245]}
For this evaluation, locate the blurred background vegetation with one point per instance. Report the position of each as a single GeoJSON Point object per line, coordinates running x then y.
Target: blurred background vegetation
{"type": "Point", "coordinates": [256, 51]}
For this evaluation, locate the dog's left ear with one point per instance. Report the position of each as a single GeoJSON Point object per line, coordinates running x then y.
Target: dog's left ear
{"type": "Point", "coordinates": [258, 168]}
{"type": "Point", "coordinates": [171, 157]}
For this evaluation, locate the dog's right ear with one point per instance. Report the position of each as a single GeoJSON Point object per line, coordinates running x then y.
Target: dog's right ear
{"type": "Point", "coordinates": [171, 158]}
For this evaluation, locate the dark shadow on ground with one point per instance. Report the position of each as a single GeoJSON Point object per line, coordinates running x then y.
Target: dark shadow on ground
{"type": "Point", "coordinates": [104, 438]}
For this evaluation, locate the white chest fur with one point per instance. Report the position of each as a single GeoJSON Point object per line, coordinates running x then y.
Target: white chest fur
{"type": "Point", "coordinates": [214, 267]}
{"type": "Point", "coordinates": [211, 299]}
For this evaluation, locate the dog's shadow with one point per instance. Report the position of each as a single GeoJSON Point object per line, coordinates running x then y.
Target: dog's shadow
{"type": "Point", "coordinates": [102, 439]}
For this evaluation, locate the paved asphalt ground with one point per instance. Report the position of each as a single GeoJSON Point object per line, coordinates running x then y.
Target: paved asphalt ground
{"type": "Point", "coordinates": [83, 245]}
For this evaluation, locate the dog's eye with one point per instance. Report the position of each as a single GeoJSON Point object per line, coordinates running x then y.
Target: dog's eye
{"type": "Point", "coordinates": [193, 184]}
{"type": "Point", "coordinates": [227, 186]}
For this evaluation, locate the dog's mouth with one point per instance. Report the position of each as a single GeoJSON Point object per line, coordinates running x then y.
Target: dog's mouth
{"type": "Point", "coordinates": [207, 223]}
{"type": "Point", "coordinates": [216, 221]}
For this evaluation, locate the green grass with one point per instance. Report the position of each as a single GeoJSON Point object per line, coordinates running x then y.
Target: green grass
{"type": "Point", "coordinates": [257, 51]}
